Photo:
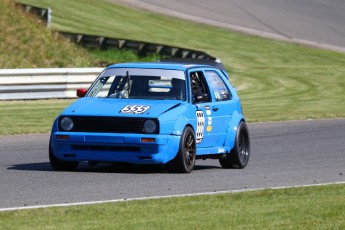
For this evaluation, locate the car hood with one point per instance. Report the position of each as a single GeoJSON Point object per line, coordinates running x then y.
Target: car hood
{"type": "Point", "coordinates": [119, 107]}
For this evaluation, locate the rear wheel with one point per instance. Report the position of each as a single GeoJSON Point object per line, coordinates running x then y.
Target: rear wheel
{"type": "Point", "coordinates": [59, 164]}
{"type": "Point", "coordinates": [185, 159]}
{"type": "Point", "coordinates": [239, 155]}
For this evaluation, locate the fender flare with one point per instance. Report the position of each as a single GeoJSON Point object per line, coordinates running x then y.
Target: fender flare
{"type": "Point", "coordinates": [236, 118]}
{"type": "Point", "coordinates": [180, 124]}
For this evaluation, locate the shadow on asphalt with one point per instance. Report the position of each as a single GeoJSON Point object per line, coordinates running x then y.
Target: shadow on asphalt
{"type": "Point", "coordinates": [32, 167]}
{"type": "Point", "coordinates": [106, 168]}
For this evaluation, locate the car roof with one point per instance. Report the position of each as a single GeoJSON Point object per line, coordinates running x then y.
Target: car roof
{"type": "Point", "coordinates": [190, 61]}
{"type": "Point", "coordinates": [175, 64]}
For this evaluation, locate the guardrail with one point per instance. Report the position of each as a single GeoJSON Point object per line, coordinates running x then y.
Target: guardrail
{"type": "Point", "coordinates": [28, 84]}
{"type": "Point", "coordinates": [25, 84]}
{"type": "Point", "coordinates": [141, 47]}
{"type": "Point", "coordinates": [44, 13]}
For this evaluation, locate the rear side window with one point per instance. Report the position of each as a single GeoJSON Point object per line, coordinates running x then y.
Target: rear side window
{"type": "Point", "coordinates": [220, 90]}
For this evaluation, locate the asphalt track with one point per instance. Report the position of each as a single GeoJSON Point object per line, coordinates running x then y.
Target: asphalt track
{"type": "Point", "coordinates": [283, 154]}
{"type": "Point", "coordinates": [318, 23]}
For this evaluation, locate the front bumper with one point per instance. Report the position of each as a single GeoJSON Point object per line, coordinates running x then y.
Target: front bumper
{"type": "Point", "coordinates": [109, 147]}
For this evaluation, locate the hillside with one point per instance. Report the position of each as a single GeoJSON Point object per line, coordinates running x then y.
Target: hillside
{"type": "Point", "coordinates": [275, 80]}
{"type": "Point", "coordinates": [26, 43]}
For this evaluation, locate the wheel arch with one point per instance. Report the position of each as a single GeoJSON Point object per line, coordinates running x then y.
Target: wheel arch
{"type": "Point", "coordinates": [232, 129]}
{"type": "Point", "coordinates": [184, 160]}
{"type": "Point", "coordinates": [180, 124]}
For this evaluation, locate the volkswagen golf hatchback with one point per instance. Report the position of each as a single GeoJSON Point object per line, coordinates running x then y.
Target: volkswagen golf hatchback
{"type": "Point", "coordinates": [170, 113]}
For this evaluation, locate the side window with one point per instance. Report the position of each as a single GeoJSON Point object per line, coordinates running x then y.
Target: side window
{"type": "Point", "coordinates": [221, 92]}
{"type": "Point", "coordinates": [200, 91]}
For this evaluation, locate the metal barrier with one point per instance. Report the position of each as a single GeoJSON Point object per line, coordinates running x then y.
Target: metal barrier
{"type": "Point", "coordinates": [24, 84]}
{"type": "Point", "coordinates": [141, 47]}
{"type": "Point", "coordinates": [27, 84]}
{"type": "Point", "coordinates": [45, 14]}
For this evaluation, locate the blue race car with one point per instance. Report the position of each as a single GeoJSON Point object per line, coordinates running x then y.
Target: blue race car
{"type": "Point", "coordinates": [171, 113]}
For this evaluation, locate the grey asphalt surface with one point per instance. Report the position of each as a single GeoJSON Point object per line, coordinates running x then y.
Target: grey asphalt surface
{"type": "Point", "coordinates": [283, 154]}
{"type": "Point", "coordinates": [318, 22]}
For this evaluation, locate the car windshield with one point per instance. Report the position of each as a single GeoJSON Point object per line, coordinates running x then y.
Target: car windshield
{"type": "Point", "coordinates": [157, 84]}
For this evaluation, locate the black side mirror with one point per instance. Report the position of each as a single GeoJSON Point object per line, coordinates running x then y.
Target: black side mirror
{"type": "Point", "coordinates": [201, 97]}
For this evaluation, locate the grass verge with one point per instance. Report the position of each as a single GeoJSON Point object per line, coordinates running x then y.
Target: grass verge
{"type": "Point", "coordinates": [275, 80]}
{"type": "Point", "coordinates": [110, 56]}
{"type": "Point", "coordinates": [25, 43]}
{"type": "Point", "coordinates": [18, 117]}
{"type": "Point", "coordinates": [320, 207]}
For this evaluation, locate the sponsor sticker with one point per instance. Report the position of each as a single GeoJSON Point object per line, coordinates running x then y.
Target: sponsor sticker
{"type": "Point", "coordinates": [209, 120]}
{"type": "Point", "coordinates": [208, 111]}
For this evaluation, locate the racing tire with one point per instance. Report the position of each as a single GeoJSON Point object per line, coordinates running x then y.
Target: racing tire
{"type": "Point", "coordinates": [60, 165]}
{"type": "Point", "coordinates": [185, 159]}
{"type": "Point", "coordinates": [239, 155]}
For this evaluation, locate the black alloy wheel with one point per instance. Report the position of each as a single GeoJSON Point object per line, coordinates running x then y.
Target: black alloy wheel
{"type": "Point", "coordinates": [239, 155]}
{"type": "Point", "coordinates": [185, 159]}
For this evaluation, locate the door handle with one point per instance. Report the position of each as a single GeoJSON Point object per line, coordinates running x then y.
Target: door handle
{"type": "Point", "coordinates": [215, 109]}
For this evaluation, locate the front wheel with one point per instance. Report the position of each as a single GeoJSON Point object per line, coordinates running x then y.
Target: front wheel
{"type": "Point", "coordinates": [185, 159]}
{"type": "Point", "coordinates": [59, 164]}
{"type": "Point", "coordinates": [239, 155]}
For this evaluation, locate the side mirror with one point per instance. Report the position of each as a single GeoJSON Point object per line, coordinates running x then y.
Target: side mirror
{"type": "Point", "coordinates": [201, 97]}
{"type": "Point", "coordinates": [81, 92]}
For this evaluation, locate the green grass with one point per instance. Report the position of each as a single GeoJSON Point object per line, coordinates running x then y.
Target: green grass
{"type": "Point", "coordinates": [18, 117]}
{"type": "Point", "coordinates": [110, 56]}
{"type": "Point", "coordinates": [28, 44]}
{"type": "Point", "coordinates": [276, 81]}
{"type": "Point", "coordinates": [295, 208]}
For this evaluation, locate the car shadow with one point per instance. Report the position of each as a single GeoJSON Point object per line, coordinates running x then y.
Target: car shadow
{"type": "Point", "coordinates": [106, 168]}
{"type": "Point", "coordinates": [45, 166]}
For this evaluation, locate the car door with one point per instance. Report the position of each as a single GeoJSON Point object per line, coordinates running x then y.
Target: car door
{"type": "Point", "coordinates": [208, 122]}
{"type": "Point", "coordinates": [221, 107]}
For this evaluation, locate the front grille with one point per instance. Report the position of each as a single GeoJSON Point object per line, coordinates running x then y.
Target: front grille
{"type": "Point", "coordinates": [107, 124]}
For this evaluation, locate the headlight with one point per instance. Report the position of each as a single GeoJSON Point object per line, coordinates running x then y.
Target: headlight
{"type": "Point", "coordinates": [150, 126]}
{"type": "Point", "coordinates": [66, 123]}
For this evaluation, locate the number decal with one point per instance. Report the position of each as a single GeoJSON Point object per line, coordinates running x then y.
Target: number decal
{"type": "Point", "coordinates": [135, 109]}
{"type": "Point", "coordinates": [200, 123]}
